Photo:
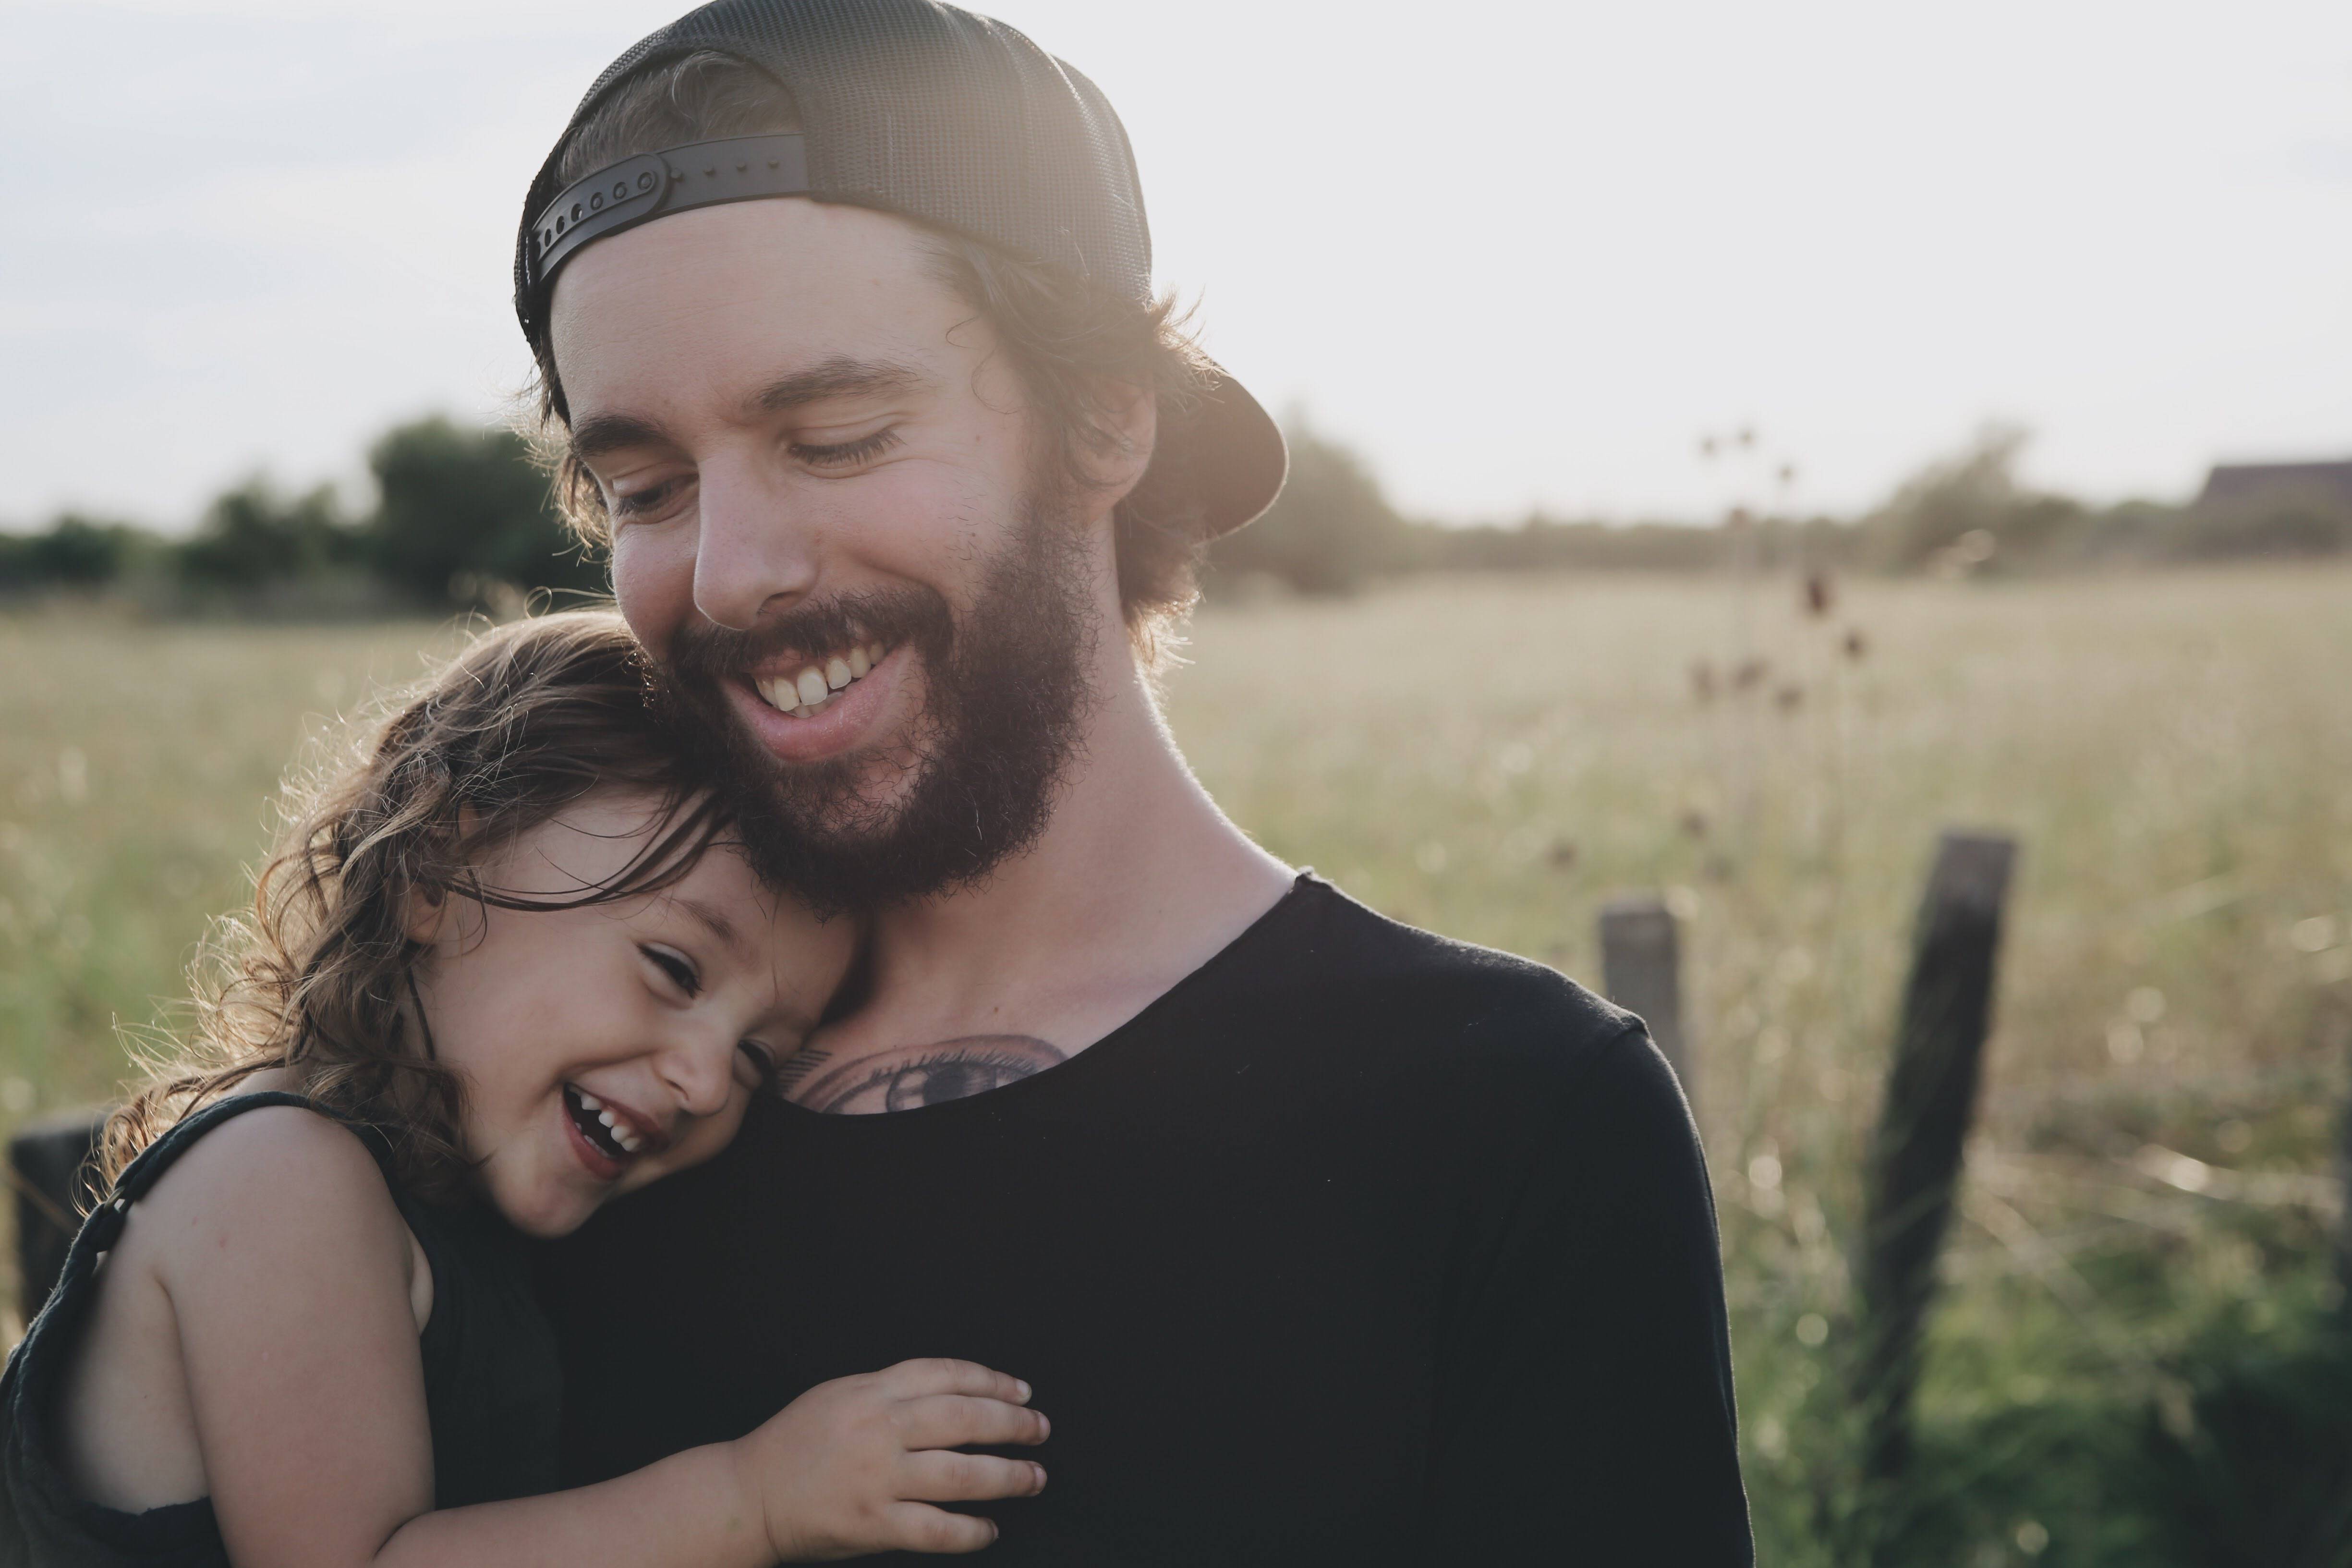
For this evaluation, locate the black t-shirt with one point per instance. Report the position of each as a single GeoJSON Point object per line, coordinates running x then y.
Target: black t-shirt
{"type": "Point", "coordinates": [1358, 1246]}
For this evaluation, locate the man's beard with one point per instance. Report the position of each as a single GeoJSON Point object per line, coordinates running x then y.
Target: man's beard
{"type": "Point", "coordinates": [1005, 693]}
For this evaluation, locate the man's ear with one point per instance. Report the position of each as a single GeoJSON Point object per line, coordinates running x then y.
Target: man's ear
{"type": "Point", "coordinates": [1129, 420]}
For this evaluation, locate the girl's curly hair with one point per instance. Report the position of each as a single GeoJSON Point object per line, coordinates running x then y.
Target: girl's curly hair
{"type": "Point", "coordinates": [317, 977]}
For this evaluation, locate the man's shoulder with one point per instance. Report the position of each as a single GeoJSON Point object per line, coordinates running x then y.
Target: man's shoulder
{"type": "Point", "coordinates": [1380, 987]}
{"type": "Point", "coordinates": [1431, 1054]}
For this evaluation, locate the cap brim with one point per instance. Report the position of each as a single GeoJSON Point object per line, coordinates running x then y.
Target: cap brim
{"type": "Point", "coordinates": [1238, 458]}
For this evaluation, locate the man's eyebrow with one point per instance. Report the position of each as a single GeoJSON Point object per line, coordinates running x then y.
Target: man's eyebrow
{"type": "Point", "coordinates": [840, 377]}
{"type": "Point", "coordinates": [602, 433]}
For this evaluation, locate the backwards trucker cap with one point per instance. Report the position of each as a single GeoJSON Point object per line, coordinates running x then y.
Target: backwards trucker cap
{"type": "Point", "coordinates": [931, 112]}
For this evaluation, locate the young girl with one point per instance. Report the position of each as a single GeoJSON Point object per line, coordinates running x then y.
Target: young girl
{"type": "Point", "coordinates": [506, 968]}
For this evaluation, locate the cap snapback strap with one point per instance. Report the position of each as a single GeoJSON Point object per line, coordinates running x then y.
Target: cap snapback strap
{"type": "Point", "coordinates": [655, 185]}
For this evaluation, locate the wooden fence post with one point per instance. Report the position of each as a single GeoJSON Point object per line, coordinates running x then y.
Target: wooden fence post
{"type": "Point", "coordinates": [1641, 968]}
{"type": "Point", "coordinates": [49, 1166]}
{"type": "Point", "coordinates": [1915, 1153]}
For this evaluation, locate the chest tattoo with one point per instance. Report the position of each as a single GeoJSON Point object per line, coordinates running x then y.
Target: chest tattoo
{"type": "Point", "coordinates": [906, 1076]}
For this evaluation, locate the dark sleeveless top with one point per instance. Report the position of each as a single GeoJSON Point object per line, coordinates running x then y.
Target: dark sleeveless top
{"type": "Point", "coordinates": [491, 1384]}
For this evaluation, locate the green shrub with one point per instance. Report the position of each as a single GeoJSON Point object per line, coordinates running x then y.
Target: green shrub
{"type": "Point", "coordinates": [463, 511]}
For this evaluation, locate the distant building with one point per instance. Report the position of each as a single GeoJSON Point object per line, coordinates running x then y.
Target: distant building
{"type": "Point", "coordinates": [2229, 484]}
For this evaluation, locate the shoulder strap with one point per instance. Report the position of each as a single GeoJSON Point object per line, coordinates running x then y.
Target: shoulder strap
{"type": "Point", "coordinates": [105, 1224]}
{"type": "Point", "coordinates": [103, 1228]}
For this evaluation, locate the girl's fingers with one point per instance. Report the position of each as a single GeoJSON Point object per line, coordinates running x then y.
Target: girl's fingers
{"type": "Point", "coordinates": [913, 1379]}
{"type": "Point", "coordinates": [918, 1527]}
{"type": "Point", "coordinates": [956, 1421]}
{"type": "Point", "coordinates": [935, 1475]}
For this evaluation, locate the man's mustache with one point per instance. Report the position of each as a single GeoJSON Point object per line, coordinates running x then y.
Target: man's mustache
{"type": "Point", "coordinates": [703, 652]}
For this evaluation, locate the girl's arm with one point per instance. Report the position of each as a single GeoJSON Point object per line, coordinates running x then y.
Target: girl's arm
{"type": "Point", "coordinates": [850, 1467]}
{"type": "Point", "coordinates": [288, 1267]}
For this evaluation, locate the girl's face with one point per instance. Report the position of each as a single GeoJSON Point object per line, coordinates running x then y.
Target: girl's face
{"type": "Point", "coordinates": [606, 1047]}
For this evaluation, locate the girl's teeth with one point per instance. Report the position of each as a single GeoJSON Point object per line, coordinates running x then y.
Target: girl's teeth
{"type": "Point", "coordinates": [626, 1138]}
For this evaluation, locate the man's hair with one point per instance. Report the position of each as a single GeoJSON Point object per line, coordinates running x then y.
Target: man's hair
{"type": "Point", "coordinates": [1079, 348]}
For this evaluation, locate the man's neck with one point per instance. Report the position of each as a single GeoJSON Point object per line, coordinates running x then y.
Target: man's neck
{"type": "Point", "coordinates": [1137, 881]}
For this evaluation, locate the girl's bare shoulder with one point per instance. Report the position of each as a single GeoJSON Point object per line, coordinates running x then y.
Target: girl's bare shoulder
{"type": "Point", "coordinates": [272, 1235]}
{"type": "Point", "coordinates": [275, 1181]}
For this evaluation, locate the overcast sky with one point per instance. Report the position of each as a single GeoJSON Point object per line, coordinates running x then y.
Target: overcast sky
{"type": "Point", "coordinates": [1520, 255]}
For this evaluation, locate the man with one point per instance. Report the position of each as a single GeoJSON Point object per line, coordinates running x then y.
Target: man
{"type": "Point", "coordinates": [1320, 1239]}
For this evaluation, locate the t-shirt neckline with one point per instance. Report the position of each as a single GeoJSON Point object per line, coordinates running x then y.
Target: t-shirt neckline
{"type": "Point", "coordinates": [1302, 884]}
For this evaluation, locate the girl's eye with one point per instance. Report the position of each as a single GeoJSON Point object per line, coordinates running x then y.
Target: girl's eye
{"type": "Point", "coordinates": [849, 454]}
{"type": "Point", "coordinates": [761, 1061]}
{"type": "Point", "coordinates": [681, 973]}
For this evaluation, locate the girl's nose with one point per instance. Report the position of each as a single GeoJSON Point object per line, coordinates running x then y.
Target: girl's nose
{"type": "Point", "coordinates": [700, 1070]}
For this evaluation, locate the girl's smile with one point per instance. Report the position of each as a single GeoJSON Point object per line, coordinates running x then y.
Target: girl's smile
{"type": "Point", "coordinates": [606, 1045]}
{"type": "Point", "coordinates": [610, 1133]}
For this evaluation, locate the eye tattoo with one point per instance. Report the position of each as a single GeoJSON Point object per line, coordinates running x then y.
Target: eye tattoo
{"type": "Point", "coordinates": [912, 1076]}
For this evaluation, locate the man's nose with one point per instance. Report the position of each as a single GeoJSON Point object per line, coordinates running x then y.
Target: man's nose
{"type": "Point", "coordinates": [755, 552]}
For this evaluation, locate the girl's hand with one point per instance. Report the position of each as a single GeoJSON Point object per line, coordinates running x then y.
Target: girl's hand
{"type": "Point", "coordinates": [854, 1466]}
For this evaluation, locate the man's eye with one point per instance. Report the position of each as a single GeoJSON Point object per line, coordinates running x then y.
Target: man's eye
{"type": "Point", "coordinates": [651, 501]}
{"type": "Point", "coordinates": [681, 973]}
{"type": "Point", "coordinates": [848, 454]}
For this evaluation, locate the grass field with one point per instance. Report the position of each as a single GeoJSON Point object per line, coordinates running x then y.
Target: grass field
{"type": "Point", "coordinates": [2151, 1193]}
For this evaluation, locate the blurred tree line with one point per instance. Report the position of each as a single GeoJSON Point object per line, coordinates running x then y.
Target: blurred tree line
{"type": "Point", "coordinates": [1967, 514]}
{"type": "Point", "coordinates": [463, 519]}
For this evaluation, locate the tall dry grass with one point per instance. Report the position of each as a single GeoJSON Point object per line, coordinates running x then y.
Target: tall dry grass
{"type": "Point", "coordinates": [2173, 752]}
{"type": "Point", "coordinates": [1493, 759]}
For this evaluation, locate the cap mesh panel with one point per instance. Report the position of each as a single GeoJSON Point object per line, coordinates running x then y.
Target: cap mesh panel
{"type": "Point", "coordinates": [929, 110]}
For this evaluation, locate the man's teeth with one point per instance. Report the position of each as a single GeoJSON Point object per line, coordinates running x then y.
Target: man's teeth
{"type": "Point", "coordinates": [805, 693]}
